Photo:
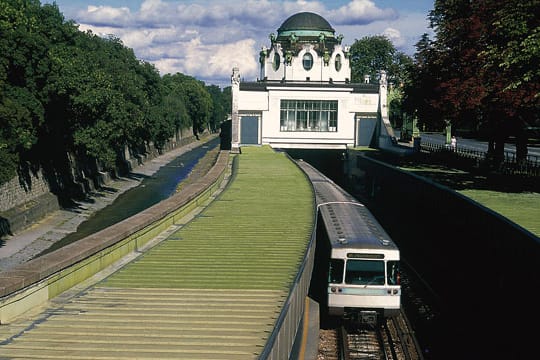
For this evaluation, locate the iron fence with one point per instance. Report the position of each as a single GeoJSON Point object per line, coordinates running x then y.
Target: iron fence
{"type": "Point", "coordinates": [530, 167]}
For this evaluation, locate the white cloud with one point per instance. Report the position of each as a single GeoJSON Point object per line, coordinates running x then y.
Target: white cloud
{"type": "Point", "coordinates": [394, 36]}
{"type": "Point", "coordinates": [156, 12]}
{"type": "Point", "coordinates": [100, 15]}
{"type": "Point", "coordinates": [404, 32]}
{"type": "Point", "coordinates": [290, 8]}
{"type": "Point", "coordinates": [359, 12]}
{"type": "Point", "coordinates": [211, 62]}
{"type": "Point", "coordinates": [207, 39]}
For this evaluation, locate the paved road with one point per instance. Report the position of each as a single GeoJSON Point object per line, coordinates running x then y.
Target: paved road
{"type": "Point", "coordinates": [473, 144]}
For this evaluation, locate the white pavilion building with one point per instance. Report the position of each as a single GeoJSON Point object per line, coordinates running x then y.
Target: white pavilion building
{"type": "Point", "coordinates": [304, 97]}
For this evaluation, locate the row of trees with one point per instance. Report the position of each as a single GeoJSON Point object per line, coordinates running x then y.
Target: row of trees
{"type": "Point", "coordinates": [480, 72]}
{"type": "Point", "coordinates": [66, 91]}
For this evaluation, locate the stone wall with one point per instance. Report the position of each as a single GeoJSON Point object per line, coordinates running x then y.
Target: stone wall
{"type": "Point", "coordinates": [13, 193]}
{"type": "Point", "coordinates": [23, 204]}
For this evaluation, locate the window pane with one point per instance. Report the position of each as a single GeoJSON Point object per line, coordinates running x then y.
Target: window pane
{"type": "Point", "coordinates": [364, 272]}
{"type": "Point", "coordinates": [301, 120]}
{"type": "Point", "coordinates": [338, 62]}
{"type": "Point", "coordinates": [323, 123]}
{"type": "Point", "coordinates": [291, 126]}
{"type": "Point", "coordinates": [313, 120]}
{"type": "Point", "coordinates": [308, 115]}
{"type": "Point", "coordinates": [335, 273]}
{"type": "Point", "coordinates": [307, 61]}
{"type": "Point", "coordinates": [392, 270]}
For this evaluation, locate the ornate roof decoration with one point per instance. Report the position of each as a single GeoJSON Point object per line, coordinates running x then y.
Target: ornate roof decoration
{"type": "Point", "coordinates": [306, 28]}
{"type": "Point", "coordinates": [308, 22]}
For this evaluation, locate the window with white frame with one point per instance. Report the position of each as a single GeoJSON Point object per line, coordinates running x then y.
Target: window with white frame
{"type": "Point", "coordinates": [309, 115]}
{"type": "Point", "coordinates": [307, 61]}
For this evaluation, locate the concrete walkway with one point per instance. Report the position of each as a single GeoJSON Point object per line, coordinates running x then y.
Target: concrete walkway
{"type": "Point", "coordinates": [24, 245]}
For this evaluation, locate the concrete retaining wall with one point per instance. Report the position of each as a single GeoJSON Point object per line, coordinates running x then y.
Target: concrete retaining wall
{"type": "Point", "coordinates": [481, 266]}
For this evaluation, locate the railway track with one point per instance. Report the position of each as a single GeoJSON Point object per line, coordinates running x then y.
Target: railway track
{"type": "Point", "coordinates": [392, 340]}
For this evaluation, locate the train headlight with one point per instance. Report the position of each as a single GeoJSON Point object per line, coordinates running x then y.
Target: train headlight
{"type": "Point", "coordinates": [333, 289]}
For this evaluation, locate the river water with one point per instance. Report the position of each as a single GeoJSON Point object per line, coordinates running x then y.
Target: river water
{"type": "Point", "coordinates": [150, 191]}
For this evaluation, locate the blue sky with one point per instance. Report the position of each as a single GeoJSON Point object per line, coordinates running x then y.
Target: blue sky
{"type": "Point", "coordinates": [207, 38]}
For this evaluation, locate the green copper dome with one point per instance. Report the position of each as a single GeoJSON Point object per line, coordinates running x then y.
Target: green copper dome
{"type": "Point", "coordinates": [305, 24]}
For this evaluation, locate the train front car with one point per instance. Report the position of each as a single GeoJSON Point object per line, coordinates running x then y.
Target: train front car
{"type": "Point", "coordinates": [363, 274]}
{"type": "Point", "coordinates": [361, 259]}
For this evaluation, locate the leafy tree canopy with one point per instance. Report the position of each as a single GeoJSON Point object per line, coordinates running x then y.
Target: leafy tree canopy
{"type": "Point", "coordinates": [481, 70]}
{"type": "Point", "coordinates": [371, 54]}
{"type": "Point", "coordinates": [66, 91]}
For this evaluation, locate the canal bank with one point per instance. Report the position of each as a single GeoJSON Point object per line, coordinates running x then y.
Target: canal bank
{"type": "Point", "coordinates": [24, 245]}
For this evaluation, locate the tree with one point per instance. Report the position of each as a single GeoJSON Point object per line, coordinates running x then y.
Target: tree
{"type": "Point", "coordinates": [174, 101]}
{"type": "Point", "coordinates": [24, 68]}
{"type": "Point", "coordinates": [371, 54]}
{"type": "Point", "coordinates": [105, 95]}
{"type": "Point", "coordinates": [221, 106]}
{"type": "Point", "coordinates": [419, 94]}
{"type": "Point", "coordinates": [197, 100]}
{"type": "Point", "coordinates": [511, 71]}
{"type": "Point", "coordinates": [481, 71]}
{"type": "Point", "coordinates": [63, 91]}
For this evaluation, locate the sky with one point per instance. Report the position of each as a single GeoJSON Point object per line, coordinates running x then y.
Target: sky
{"type": "Point", "coordinates": [207, 38]}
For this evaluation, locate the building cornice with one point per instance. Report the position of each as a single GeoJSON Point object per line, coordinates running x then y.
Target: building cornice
{"type": "Point", "coordinates": [310, 86]}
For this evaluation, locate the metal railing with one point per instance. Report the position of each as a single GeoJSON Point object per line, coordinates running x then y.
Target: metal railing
{"type": "Point", "coordinates": [281, 340]}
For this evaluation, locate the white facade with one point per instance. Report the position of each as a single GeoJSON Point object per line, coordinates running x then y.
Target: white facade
{"type": "Point", "coordinates": [304, 98]}
{"type": "Point", "coordinates": [276, 66]}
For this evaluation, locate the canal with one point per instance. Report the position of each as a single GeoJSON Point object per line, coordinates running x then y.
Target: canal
{"type": "Point", "coordinates": [150, 191]}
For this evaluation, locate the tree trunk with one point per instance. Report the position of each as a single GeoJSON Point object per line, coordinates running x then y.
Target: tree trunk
{"type": "Point", "coordinates": [500, 136]}
{"type": "Point", "coordinates": [521, 142]}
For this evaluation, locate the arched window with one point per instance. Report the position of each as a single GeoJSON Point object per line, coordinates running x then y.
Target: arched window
{"type": "Point", "coordinates": [338, 62]}
{"type": "Point", "coordinates": [307, 61]}
{"type": "Point", "coordinates": [276, 62]}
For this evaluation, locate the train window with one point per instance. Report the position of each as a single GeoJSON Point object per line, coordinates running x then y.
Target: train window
{"type": "Point", "coordinates": [364, 272]}
{"type": "Point", "coordinates": [392, 271]}
{"type": "Point", "coordinates": [335, 273]}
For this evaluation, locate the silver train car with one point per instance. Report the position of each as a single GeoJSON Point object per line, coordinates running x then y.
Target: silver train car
{"type": "Point", "coordinates": [362, 261]}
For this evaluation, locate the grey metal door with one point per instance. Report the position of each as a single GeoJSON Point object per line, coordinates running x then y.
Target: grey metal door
{"type": "Point", "coordinates": [365, 129]}
{"type": "Point", "coordinates": [249, 130]}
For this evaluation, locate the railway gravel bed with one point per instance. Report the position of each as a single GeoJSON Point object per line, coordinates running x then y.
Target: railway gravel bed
{"type": "Point", "coordinates": [392, 340]}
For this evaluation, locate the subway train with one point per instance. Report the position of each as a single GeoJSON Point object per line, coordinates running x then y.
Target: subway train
{"type": "Point", "coordinates": [358, 257]}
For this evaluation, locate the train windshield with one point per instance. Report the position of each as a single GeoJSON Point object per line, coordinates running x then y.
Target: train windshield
{"type": "Point", "coordinates": [364, 272]}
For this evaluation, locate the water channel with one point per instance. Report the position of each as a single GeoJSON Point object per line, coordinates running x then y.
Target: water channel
{"type": "Point", "coordinates": [150, 191]}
